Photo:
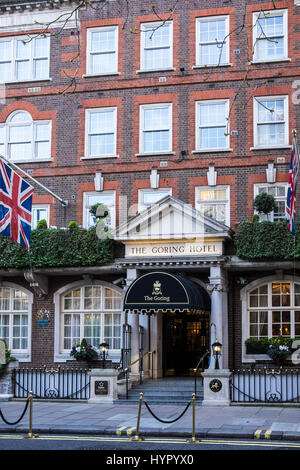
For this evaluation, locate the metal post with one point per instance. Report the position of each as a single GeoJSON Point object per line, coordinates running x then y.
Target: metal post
{"type": "Point", "coordinates": [30, 434]}
{"type": "Point", "coordinates": [193, 438]}
{"type": "Point", "coordinates": [137, 437]}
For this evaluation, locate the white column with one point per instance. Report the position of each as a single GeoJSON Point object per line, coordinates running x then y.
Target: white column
{"type": "Point", "coordinates": [133, 320]}
{"type": "Point", "coordinates": [219, 314]}
{"type": "Point", "coordinates": [156, 343]}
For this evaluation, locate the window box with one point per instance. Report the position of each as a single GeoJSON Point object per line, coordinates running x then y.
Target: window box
{"type": "Point", "coordinates": [256, 347]}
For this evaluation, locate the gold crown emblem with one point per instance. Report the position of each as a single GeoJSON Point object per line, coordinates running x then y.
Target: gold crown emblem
{"type": "Point", "coordinates": [156, 287]}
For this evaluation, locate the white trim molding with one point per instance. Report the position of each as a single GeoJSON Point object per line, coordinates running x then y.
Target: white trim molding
{"type": "Point", "coordinates": [58, 355]}
{"type": "Point", "coordinates": [250, 358]}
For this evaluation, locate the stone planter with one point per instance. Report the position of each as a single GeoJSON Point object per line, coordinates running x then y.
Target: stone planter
{"type": "Point", "coordinates": [6, 385]}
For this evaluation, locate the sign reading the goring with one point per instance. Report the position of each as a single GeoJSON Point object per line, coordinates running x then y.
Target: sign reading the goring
{"type": "Point", "coordinates": [101, 387]}
{"type": "Point", "coordinates": [2, 352]}
{"type": "Point", "coordinates": [174, 249]}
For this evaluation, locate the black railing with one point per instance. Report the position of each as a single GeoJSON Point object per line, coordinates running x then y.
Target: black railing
{"type": "Point", "coordinates": [265, 386]}
{"type": "Point", "coordinates": [60, 383]}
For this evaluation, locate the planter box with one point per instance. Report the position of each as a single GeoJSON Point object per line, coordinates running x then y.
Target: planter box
{"type": "Point", "coordinates": [256, 348]}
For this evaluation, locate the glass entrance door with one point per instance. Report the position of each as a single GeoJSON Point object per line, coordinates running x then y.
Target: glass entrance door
{"type": "Point", "coordinates": [186, 338]}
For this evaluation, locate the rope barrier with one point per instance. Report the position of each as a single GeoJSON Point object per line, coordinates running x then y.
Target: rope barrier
{"type": "Point", "coordinates": [21, 417]}
{"type": "Point", "coordinates": [164, 421]}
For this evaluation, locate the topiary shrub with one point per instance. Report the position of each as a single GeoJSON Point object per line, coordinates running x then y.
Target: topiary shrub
{"type": "Point", "coordinates": [42, 224]}
{"type": "Point", "coordinates": [264, 203]}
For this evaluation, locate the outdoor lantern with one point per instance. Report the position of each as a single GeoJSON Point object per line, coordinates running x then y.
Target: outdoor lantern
{"type": "Point", "coordinates": [217, 349]}
{"type": "Point", "coordinates": [104, 347]}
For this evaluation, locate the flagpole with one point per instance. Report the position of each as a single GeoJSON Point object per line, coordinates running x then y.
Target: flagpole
{"type": "Point", "coordinates": [16, 167]}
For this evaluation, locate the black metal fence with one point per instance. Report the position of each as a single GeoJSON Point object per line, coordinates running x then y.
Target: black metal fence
{"type": "Point", "coordinates": [60, 383]}
{"type": "Point", "coordinates": [265, 386]}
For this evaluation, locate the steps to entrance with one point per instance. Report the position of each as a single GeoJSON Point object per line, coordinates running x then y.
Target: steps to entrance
{"type": "Point", "coordinates": [168, 390]}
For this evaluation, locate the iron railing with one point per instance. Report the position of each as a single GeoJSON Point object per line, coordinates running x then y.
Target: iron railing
{"type": "Point", "coordinates": [265, 385]}
{"type": "Point", "coordinates": [60, 383]}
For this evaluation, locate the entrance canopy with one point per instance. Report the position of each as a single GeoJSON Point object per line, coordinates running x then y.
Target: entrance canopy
{"type": "Point", "coordinates": [165, 292]}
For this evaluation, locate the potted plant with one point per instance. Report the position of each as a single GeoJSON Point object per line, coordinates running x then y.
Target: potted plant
{"type": "Point", "coordinates": [279, 349]}
{"type": "Point", "coordinates": [84, 351]}
{"type": "Point", "coordinates": [8, 358]}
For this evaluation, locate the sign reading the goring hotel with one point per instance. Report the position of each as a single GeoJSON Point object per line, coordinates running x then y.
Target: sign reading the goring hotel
{"type": "Point", "coordinates": [174, 249]}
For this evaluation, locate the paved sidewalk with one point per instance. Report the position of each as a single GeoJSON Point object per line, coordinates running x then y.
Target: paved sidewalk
{"type": "Point", "coordinates": [273, 422]}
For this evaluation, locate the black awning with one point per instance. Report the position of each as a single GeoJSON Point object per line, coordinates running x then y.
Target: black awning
{"type": "Point", "coordinates": [165, 292]}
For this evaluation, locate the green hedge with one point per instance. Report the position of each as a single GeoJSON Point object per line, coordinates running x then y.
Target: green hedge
{"type": "Point", "coordinates": [56, 247]}
{"type": "Point", "coordinates": [267, 241]}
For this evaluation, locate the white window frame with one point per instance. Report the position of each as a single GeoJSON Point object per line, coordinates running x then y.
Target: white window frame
{"type": "Point", "coordinates": [226, 45]}
{"type": "Point", "coordinates": [215, 201]}
{"type": "Point", "coordinates": [64, 355]}
{"type": "Point", "coordinates": [115, 65]}
{"type": "Point", "coordinates": [256, 101]}
{"type": "Point", "coordinates": [256, 188]}
{"type": "Point", "coordinates": [13, 61]}
{"type": "Point", "coordinates": [245, 295]}
{"type": "Point", "coordinates": [141, 192]}
{"type": "Point", "coordinates": [88, 114]}
{"type": "Point", "coordinates": [112, 209]}
{"type": "Point", "coordinates": [41, 207]}
{"type": "Point", "coordinates": [155, 25]}
{"type": "Point", "coordinates": [33, 124]}
{"type": "Point", "coordinates": [22, 355]}
{"type": "Point", "coordinates": [255, 33]}
{"type": "Point", "coordinates": [197, 129]}
{"type": "Point", "coordinates": [168, 128]}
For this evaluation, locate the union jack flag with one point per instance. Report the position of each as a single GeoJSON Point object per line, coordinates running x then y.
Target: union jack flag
{"type": "Point", "coordinates": [291, 194]}
{"type": "Point", "coordinates": [15, 206]}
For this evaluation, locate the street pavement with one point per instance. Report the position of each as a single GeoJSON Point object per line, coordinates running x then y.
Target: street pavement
{"type": "Point", "coordinates": [65, 417]}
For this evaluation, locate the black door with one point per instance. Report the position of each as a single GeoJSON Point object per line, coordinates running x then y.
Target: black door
{"type": "Point", "coordinates": [186, 338]}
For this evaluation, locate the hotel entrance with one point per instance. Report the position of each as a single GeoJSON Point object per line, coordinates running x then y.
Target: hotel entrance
{"type": "Point", "coordinates": [185, 340]}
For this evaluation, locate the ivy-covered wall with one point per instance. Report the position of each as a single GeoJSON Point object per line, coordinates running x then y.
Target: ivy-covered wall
{"type": "Point", "coordinates": [267, 241]}
{"type": "Point", "coordinates": [52, 248]}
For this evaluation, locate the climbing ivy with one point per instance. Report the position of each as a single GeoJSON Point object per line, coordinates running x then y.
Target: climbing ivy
{"type": "Point", "coordinates": [267, 241]}
{"type": "Point", "coordinates": [57, 247]}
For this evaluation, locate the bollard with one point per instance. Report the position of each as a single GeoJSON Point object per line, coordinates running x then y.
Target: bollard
{"type": "Point", "coordinates": [137, 437]}
{"type": "Point", "coordinates": [193, 438]}
{"type": "Point", "coordinates": [30, 434]}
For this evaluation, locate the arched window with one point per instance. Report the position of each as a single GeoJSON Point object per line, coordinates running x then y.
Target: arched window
{"type": "Point", "coordinates": [91, 312]}
{"type": "Point", "coordinates": [14, 319]}
{"type": "Point", "coordinates": [23, 139]}
{"type": "Point", "coordinates": [273, 309]}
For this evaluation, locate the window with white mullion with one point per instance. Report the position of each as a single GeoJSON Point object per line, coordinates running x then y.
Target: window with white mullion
{"type": "Point", "coordinates": [156, 128]}
{"type": "Point", "coordinates": [271, 121]}
{"type": "Point", "coordinates": [102, 50]}
{"type": "Point", "coordinates": [6, 60]}
{"type": "Point", "coordinates": [156, 45]}
{"type": "Point", "coordinates": [270, 35]}
{"type": "Point", "coordinates": [14, 319]}
{"type": "Point", "coordinates": [274, 310]}
{"type": "Point", "coordinates": [279, 192]}
{"type": "Point", "coordinates": [95, 316]}
{"type": "Point", "coordinates": [212, 125]}
{"type": "Point", "coordinates": [23, 59]}
{"type": "Point", "coordinates": [212, 41]}
{"type": "Point", "coordinates": [101, 132]}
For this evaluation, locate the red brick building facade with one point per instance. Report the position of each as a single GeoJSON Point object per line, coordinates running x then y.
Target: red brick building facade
{"type": "Point", "coordinates": [204, 98]}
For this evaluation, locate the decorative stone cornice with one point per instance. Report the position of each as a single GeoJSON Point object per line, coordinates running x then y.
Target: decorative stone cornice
{"type": "Point", "coordinates": [11, 6]}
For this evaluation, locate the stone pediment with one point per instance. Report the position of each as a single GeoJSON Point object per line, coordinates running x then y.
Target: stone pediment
{"type": "Point", "coordinates": [171, 227]}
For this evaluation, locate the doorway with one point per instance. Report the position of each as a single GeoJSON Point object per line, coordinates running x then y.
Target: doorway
{"type": "Point", "coordinates": [185, 340]}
